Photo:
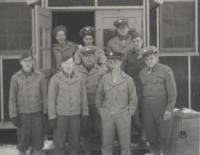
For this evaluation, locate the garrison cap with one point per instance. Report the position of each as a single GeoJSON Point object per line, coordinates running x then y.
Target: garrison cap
{"type": "Point", "coordinates": [65, 57]}
{"type": "Point", "coordinates": [59, 28]}
{"type": "Point", "coordinates": [87, 30]}
{"type": "Point", "coordinates": [119, 22]}
{"type": "Point", "coordinates": [115, 55]}
{"type": "Point", "coordinates": [26, 54]}
{"type": "Point", "coordinates": [88, 50]}
{"type": "Point", "coordinates": [135, 35]}
{"type": "Point", "coordinates": [149, 50]}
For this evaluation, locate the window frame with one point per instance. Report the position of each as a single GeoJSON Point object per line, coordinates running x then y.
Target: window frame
{"type": "Point", "coordinates": [177, 51]}
{"type": "Point", "coordinates": [93, 7]}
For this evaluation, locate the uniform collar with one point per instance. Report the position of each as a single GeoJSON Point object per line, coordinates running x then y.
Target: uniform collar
{"type": "Point", "coordinates": [92, 71]}
{"type": "Point", "coordinates": [153, 69]}
{"type": "Point", "coordinates": [63, 77]}
{"type": "Point", "coordinates": [121, 78]}
{"type": "Point", "coordinates": [30, 77]}
{"type": "Point", "coordinates": [123, 37]}
{"type": "Point", "coordinates": [58, 47]}
{"type": "Point", "coordinates": [27, 74]}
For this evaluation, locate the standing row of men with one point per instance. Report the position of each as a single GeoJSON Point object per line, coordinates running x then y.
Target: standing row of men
{"type": "Point", "coordinates": [87, 84]}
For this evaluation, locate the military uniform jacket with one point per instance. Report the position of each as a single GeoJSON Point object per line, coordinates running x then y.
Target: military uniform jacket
{"type": "Point", "coordinates": [69, 50]}
{"type": "Point", "coordinates": [67, 96]}
{"type": "Point", "coordinates": [117, 44]}
{"type": "Point", "coordinates": [132, 64]}
{"type": "Point", "coordinates": [158, 86]}
{"type": "Point", "coordinates": [92, 80]}
{"type": "Point", "coordinates": [99, 54]}
{"type": "Point", "coordinates": [28, 94]}
{"type": "Point", "coordinates": [117, 97]}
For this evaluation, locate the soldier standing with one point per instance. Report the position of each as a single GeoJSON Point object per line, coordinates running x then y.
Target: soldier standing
{"type": "Point", "coordinates": [87, 34]}
{"type": "Point", "coordinates": [92, 73]}
{"type": "Point", "coordinates": [132, 64]}
{"type": "Point", "coordinates": [63, 47]}
{"type": "Point", "coordinates": [27, 104]}
{"type": "Point", "coordinates": [122, 42]}
{"type": "Point", "coordinates": [116, 101]}
{"type": "Point", "coordinates": [67, 102]}
{"type": "Point", "coordinates": [158, 100]}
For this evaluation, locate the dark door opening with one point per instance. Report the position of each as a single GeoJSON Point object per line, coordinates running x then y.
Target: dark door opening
{"type": "Point", "coordinates": [74, 21]}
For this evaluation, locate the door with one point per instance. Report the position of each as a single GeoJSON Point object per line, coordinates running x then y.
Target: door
{"type": "Point", "coordinates": [42, 39]}
{"type": "Point", "coordinates": [104, 23]}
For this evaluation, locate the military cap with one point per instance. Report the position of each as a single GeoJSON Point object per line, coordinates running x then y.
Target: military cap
{"type": "Point", "coordinates": [135, 35]}
{"type": "Point", "coordinates": [65, 57]}
{"type": "Point", "coordinates": [59, 28]}
{"type": "Point", "coordinates": [25, 54]}
{"type": "Point", "coordinates": [119, 22]}
{"type": "Point", "coordinates": [87, 50]}
{"type": "Point", "coordinates": [115, 55]}
{"type": "Point", "coordinates": [149, 50]}
{"type": "Point", "coordinates": [87, 30]}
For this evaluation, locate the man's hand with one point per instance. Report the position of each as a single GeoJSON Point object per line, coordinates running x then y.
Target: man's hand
{"type": "Point", "coordinates": [167, 115]}
{"type": "Point", "coordinates": [16, 121]}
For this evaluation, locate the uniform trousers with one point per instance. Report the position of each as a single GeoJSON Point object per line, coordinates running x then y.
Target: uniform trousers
{"type": "Point", "coordinates": [121, 122]}
{"type": "Point", "coordinates": [67, 126]}
{"type": "Point", "coordinates": [157, 130]}
{"type": "Point", "coordinates": [30, 133]}
{"type": "Point", "coordinates": [91, 127]}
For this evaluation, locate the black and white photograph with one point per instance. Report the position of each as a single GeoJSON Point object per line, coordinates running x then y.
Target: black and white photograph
{"type": "Point", "coordinates": [99, 77]}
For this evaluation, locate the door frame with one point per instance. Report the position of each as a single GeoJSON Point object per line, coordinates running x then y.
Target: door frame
{"type": "Point", "coordinates": [37, 37]}
{"type": "Point", "coordinates": [4, 124]}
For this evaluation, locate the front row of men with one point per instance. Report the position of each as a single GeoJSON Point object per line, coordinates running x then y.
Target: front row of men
{"type": "Point", "coordinates": [78, 91]}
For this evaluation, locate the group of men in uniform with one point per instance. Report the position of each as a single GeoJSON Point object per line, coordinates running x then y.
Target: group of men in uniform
{"type": "Point", "coordinates": [94, 92]}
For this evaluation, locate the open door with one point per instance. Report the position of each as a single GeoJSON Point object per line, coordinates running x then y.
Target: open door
{"type": "Point", "coordinates": [42, 39]}
{"type": "Point", "coordinates": [105, 18]}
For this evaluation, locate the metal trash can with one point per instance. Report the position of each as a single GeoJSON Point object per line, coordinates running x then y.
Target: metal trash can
{"type": "Point", "coordinates": [186, 133]}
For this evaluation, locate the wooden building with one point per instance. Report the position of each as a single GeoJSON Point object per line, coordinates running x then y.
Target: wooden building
{"type": "Point", "coordinates": [172, 27]}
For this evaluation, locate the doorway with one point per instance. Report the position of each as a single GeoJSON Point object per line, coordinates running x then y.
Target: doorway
{"type": "Point", "coordinates": [74, 21]}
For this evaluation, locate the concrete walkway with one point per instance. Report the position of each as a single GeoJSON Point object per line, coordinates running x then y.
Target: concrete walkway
{"type": "Point", "coordinates": [8, 150]}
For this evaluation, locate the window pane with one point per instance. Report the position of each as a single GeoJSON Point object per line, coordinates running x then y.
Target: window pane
{"type": "Point", "coordinates": [119, 2]}
{"type": "Point", "coordinates": [15, 26]}
{"type": "Point", "coordinates": [63, 3]}
{"type": "Point", "coordinates": [178, 26]}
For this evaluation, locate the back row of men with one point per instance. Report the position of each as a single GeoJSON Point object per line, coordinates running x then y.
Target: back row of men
{"type": "Point", "coordinates": [93, 92]}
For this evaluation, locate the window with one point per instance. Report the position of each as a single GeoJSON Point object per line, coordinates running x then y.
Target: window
{"type": "Point", "coordinates": [178, 27]}
{"type": "Point", "coordinates": [92, 3]}
{"type": "Point", "coordinates": [67, 3]}
{"type": "Point", "coordinates": [119, 2]}
{"type": "Point", "coordinates": [15, 26]}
